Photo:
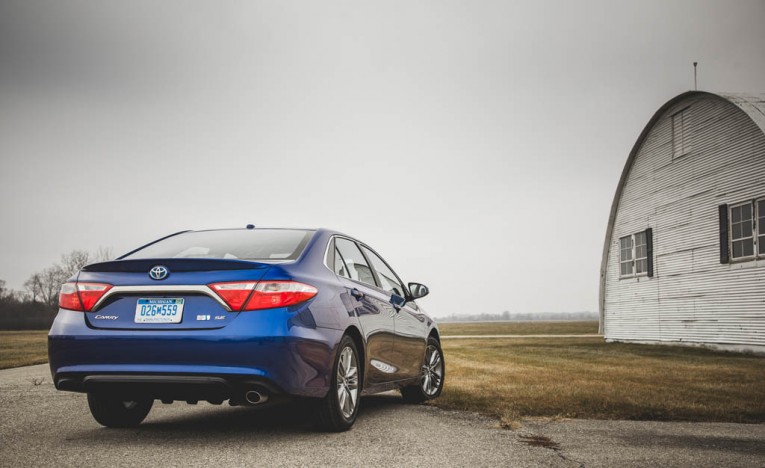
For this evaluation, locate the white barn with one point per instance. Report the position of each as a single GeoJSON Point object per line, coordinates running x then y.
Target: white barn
{"type": "Point", "coordinates": [684, 254]}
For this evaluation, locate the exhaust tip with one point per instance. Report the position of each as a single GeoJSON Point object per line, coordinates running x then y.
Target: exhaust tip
{"type": "Point", "coordinates": [254, 397]}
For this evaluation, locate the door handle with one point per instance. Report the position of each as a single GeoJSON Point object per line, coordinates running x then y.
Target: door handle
{"type": "Point", "coordinates": [356, 293]}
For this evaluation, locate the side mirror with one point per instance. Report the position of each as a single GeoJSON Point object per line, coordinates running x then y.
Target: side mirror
{"type": "Point", "coordinates": [418, 290]}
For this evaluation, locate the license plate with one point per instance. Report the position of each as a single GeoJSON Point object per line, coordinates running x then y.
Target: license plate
{"type": "Point", "coordinates": [158, 311]}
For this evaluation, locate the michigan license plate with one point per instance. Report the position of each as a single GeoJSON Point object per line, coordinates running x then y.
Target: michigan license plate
{"type": "Point", "coordinates": [158, 311]}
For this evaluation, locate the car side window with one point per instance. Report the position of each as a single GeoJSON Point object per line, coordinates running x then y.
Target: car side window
{"type": "Point", "coordinates": [352, 263]}
{"type": "Point", "coordinates": [340, 268]}
{"type": "Point", "coordinates": [386, 276]}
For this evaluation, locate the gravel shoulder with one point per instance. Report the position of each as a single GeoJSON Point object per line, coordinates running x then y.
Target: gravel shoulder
{"type": "Point", "coordinates": [42, 427]}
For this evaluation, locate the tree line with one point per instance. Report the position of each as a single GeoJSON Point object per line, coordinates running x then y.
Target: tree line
{"type": "Point", "coordinates": [35, 307]}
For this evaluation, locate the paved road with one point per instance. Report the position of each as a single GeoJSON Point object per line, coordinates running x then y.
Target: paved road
{"type": "Point", "coordinates": [42, 427]}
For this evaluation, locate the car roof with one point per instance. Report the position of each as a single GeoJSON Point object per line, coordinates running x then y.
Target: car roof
{"type": "Point", "coordinates": [327, 231]}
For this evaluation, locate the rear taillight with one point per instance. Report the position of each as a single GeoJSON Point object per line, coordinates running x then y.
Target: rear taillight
{"type": "Point", "coordinates": [264, 295]}
{"type": "Point", "coordinates": [269, 294]}
{"type": "Point", "coordinates": [90, 293]}
{"type": "Point", "coordinates": [68, 297]}
{"type": "Point", "coordinates": [81, 296]}
{"type": "Point", "coordinates": [234, 294]}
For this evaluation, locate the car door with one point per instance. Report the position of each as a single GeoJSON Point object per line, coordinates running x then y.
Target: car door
{"type": "Point", "coordinates": [370, 305]}
{"type": "Point", "coordinates": [410, 327]}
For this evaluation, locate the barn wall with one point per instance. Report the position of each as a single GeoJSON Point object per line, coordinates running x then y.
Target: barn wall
{"type": "Point", "coordinates": [692, 296]}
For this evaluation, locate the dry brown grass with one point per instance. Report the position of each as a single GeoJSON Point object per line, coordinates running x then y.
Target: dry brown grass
{"type": "Point", "coordinates": [520, 328]}
{"type": "Point", "coordinates": [588, 378]}
{"type": "Point", "coordinates": [23, 348]}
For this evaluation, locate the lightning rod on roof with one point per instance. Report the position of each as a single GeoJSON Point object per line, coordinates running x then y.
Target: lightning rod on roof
{"type": "Point", "coordinates": [695, 86]}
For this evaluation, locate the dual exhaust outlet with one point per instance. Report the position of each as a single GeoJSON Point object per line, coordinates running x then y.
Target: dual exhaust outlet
{"type": "Point", "coordinates": [254, 397]}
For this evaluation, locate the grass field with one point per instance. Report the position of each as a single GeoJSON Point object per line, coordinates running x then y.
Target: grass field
{"type": "Point", "coordinates": [519, 328]}
{"type": "Point", "coordinates": [588, 378]}
{"type": "Point", "coordinates": [23, 348]}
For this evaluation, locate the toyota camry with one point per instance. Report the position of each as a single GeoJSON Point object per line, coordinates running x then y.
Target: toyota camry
{"type": "Point", "coordinates": [246, 315]}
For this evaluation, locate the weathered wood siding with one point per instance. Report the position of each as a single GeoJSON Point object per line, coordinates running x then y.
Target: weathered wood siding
{"type": "Point", "coordinates": [692, 296]}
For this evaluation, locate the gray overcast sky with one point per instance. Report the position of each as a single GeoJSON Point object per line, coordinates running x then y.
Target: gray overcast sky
{"type": "Point", "coordinates": [476, 145]}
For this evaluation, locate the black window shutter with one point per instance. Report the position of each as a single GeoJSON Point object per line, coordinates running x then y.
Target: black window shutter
{"type": "Point", "coordinates": [649, 251]}
{"type": "Point", "coordinates": [724, 254]}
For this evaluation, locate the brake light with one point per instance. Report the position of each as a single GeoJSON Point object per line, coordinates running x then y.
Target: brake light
{"type": "Point", "coordinates": [270, 294]}
{"type": "Point", "coordinates": [264, 295]}
{"type": "Point", "coordinates": [68, 297]}
{"type": "Point", "coordinates": [234, 294]}
{"type": "Point", "coordinates": [81, 296]}
{"type": "Point", "coordinates": [90, 293]}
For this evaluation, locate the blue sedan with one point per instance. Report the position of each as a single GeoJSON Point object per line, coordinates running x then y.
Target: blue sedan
{"type": "Point", "coordinates": [245, 315]}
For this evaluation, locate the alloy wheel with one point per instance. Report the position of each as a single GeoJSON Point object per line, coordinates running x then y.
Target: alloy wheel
{"type": "Point", "coordinates": [347, 382]}
{"type": "Point", "coordinates": [432, 371]}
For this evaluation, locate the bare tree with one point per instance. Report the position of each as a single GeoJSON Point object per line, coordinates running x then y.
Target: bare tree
{"type": "Point", "coordinates": [52, 279]}
{"type": "Point", "coordinates": [72, 262]}
{"type": "Point", "coordinates": [18, 296]}
{"type": "Point", "coordinates": [102, 254]}
{"type": "Point", "coordinates": [34, 286]}
{"type": "Point", "coordinates": [9, 295]}
{"type": "Point", "coordinates": [44, 286]}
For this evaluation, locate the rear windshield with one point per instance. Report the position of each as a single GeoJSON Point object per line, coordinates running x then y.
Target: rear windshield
{"type": "Point", "coordinates": [239, 244]}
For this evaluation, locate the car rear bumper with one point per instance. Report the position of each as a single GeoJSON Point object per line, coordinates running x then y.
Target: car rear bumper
{"type": "Point", "coordinates": [266, 349]}
{"type": "Point", "coordinates": [171, 387]}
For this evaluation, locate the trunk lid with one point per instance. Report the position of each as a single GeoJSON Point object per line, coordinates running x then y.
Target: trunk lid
{"type": "Point", "coordinates": [180, 301]}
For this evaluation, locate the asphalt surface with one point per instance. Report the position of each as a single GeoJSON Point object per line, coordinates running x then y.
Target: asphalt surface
{"type": "Point", "coordinates": [42, 427]}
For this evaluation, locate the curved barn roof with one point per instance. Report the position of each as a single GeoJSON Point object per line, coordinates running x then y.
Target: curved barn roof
{"type": "Point", "coordinates": [753, 106]}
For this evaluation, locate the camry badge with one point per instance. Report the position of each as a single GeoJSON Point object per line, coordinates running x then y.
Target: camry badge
{"type": "Point", "coordinates": [159, 272]}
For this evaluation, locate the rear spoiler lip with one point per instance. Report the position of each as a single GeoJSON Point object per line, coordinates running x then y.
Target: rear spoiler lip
{"type": "Point", "coordinates": [176, 265]}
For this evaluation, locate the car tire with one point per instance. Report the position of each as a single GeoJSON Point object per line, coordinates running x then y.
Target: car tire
{"type": "Point", "coordinates": [431, 380]}
{"type": "Point", "coordinates": [115, 412]}
{"type": "Point", "coordinates": [338, 410]}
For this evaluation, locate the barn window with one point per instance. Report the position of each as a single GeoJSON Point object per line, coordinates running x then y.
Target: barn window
{"type": "Point", "coordinates": [680, 133]}
{"type": "Point", "coordinates": [742, 235]}
{"type": "Point", "coordinates": [633, 255]}
{"type": "Point", "coordinates": [626, 261]}
{"type": "Point", "coordinates": [761, 226]}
